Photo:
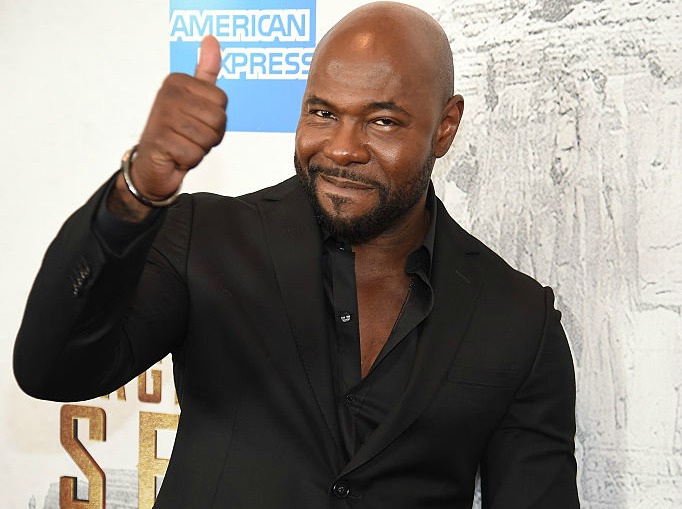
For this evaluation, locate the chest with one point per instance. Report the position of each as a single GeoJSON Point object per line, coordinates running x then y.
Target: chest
{"type": "Point", "coordinates": [380, 303]}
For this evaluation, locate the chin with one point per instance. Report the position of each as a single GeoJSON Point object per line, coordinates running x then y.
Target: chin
{"type": "Point", "coordinates": [344, 208]}
{"type": "Point", "coordinates": [349, 221]}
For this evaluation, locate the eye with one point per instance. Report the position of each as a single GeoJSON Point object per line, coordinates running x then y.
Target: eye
{"type": "Point", "coordinates": [385, 122]}
{"type": "Point", "coordinates": [322, 113]}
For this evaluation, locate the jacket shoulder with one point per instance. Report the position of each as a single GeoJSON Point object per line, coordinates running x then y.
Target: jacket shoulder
{"type": "Point", "coordinates": [494, 270]}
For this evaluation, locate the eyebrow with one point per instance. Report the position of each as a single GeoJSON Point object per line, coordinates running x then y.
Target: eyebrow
{"type": "Point", "coordinates": [314, 100]}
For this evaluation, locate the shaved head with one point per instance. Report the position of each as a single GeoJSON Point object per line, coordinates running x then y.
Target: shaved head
{"type": "Point", "coordinates": [399, 29]}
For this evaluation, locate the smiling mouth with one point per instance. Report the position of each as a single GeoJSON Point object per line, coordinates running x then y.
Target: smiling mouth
{"type": "Point", "coordinates": [344, 183]}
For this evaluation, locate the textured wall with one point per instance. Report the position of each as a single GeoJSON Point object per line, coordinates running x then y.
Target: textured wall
{"type": "Point", "coordinates": [568, 164]}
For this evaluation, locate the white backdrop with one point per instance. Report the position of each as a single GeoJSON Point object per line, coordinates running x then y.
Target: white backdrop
{"type": "Point", "coordinates": [567, 163]}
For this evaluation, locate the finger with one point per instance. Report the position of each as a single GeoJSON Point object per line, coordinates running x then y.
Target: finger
{"type": "Point", "coordinates": [207, 110]}
{"type": "Point", "coordinates": [198, 131]}
{"type": "Point", "coordinates": [208, 66]}
{"type": "Point", "coordinates": [171, 152]}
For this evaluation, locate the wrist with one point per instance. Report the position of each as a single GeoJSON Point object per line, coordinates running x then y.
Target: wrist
{"type": "Point", "coordinates": [126, 167]}
{"type": "Point", "coordinates": [123, 205]}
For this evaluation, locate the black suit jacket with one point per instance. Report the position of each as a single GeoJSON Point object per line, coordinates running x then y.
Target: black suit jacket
{"type": "Point", "coordinates": [232, 287]}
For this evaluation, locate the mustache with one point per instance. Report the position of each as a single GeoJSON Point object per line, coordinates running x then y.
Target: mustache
{"type": "Point", "coordinates": [344, 173]}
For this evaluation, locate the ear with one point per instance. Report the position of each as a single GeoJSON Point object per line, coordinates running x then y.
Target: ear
{"type": "Point", "coordinates": [445, 133]}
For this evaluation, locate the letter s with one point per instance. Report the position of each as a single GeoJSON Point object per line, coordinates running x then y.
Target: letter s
{"type": "Point", "coordinates": [69, 439]}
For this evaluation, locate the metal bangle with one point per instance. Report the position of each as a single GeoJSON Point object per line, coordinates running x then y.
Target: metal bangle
{"type": "Point", "coordinates": [126, 162]}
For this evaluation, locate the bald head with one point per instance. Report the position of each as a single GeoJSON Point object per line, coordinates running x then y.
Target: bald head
{"type": "Point", "coordinates": [394, 30]}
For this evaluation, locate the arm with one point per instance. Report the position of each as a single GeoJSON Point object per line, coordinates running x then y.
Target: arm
{"type": "Point", "coordinates": [98, 316]}
{"type": "Point", "coordinates": [529, 461]}
{"type": "Point", "coordinates": [77, 339]}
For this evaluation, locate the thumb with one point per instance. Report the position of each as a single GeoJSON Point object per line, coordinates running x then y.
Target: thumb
{"type": "Point", "coordinates": [210, 59]}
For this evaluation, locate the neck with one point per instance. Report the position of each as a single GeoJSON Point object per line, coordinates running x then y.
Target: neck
{"type": "Point", "coordinates": [389, 250]}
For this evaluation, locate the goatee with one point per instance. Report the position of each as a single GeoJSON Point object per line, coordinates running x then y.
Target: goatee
{"type": "Point", "coordinates": [391, 207]}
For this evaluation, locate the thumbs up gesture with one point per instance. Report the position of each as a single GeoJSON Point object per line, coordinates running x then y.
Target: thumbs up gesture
{"type": "Point", "coordinates": [186, 121]}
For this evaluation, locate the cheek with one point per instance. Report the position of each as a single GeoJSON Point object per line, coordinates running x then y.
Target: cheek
{"type": "Point", "coordinates": [306, 144]}
{"type": "Point", "coordinates": [401, 151]}
{"type": "Point", "coordinates": [399, 163]}
{"type": "Point", "coordinates": [389, 155]}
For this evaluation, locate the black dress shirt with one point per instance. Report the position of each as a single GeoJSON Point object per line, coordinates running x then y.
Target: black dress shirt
{"type": "Point", "coordinates": [363, 404]}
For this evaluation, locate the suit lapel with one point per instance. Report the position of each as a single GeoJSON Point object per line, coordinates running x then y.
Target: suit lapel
{"type": "Point", "coordinates": [294, 242]}
{"type": "Point", "coordinates": [456, 286]}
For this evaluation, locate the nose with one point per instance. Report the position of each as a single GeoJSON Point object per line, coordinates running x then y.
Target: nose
{"type": "Point", "coordinates": [346, 144]}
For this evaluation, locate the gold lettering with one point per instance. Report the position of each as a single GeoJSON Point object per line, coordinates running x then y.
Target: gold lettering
{"type": "Point", "coordinates": [150, 466]}
{"type": "Point", "coordinates": [69, 439]}
{"type": "Point", "coordinates": [155, 395]}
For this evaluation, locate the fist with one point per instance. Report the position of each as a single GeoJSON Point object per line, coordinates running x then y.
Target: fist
{"type": "Point", "coordinates": [186, 121]}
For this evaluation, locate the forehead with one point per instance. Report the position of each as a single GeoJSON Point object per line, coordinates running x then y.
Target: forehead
{"type": "Point", "coordinates": [362, 64]}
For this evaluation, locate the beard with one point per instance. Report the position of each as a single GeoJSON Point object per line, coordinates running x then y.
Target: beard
{"type": "Point", "coordinates": [391, 207]}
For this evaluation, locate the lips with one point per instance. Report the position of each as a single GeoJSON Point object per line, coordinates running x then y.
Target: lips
{"type": "Point", "coordinates": [344, 183]}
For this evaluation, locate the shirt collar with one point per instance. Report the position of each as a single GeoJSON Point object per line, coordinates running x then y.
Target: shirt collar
{"type": "Point", "coordinates": [419, 260]}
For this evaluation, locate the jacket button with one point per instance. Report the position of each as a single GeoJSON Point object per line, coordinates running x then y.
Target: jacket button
{"type": "Point", "coordinates": [341, 489]}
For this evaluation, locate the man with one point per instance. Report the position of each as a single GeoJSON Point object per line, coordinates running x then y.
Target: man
{"type": "Point", "coordinates": [338, 340]}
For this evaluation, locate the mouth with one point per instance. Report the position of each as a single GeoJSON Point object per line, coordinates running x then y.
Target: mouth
{"type": "Point", "coordinates": [344, 183]}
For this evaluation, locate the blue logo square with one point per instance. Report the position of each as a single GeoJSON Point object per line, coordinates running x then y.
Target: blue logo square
{"type": "Point", "coordinates": [266, 47]}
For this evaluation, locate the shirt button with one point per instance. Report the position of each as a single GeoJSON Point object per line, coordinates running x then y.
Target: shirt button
{"type": "Point", "coordinates": [350, 398]}
{"type": "Point", "coordinates": [345, 317]}
{"type": "Point", "coordinates": [341, 489]}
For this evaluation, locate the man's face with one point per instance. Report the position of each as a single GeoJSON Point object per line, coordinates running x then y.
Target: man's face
{"type": "Point", "coordinates": [365, 138]}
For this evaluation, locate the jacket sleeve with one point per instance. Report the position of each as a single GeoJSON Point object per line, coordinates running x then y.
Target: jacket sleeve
{"type": "Point", "coordinates": [529, 461]}
{"type": "Point", "coordinates": [95, 318]}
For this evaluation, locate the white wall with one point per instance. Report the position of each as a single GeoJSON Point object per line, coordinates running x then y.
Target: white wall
{"type": "Point", "coordinates": [567, 163]}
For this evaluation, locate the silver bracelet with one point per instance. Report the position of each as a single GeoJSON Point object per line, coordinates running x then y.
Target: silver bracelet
{"type": "Point", "coordinates": [126, 161]}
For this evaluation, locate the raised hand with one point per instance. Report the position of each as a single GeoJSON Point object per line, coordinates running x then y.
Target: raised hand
{"type": "Point", "coordinates": [186, 121]}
